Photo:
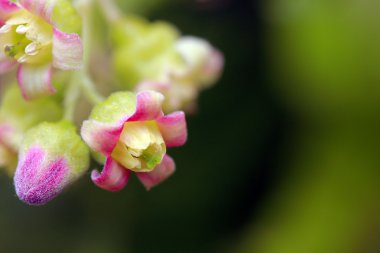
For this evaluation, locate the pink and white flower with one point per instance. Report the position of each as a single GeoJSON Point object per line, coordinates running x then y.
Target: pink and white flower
{"type": "Point", "coordinates": [132, 132]}
{"type": "Point", "coordinates": [38, 35]}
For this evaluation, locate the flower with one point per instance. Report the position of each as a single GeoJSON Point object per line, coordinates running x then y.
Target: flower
{"type": "Point", "coordinates": [16, 116]}
{"type": "Point", "coordinates": [6, 9]}
{"type": "Point", "coordinates": [203, 62]}
{"type": "Point", "coordinates": [39, 35]}
{"type": "Point", "coordinates": [132, 132]}
{"type": "Point", "coordinates": [153, 56]}
{"type": "Point", "coordinates": [52, 156]}
{"type": "Point", "coordinates": [141, 49]}
{"type": "Point", "coordinates": [200, 67]}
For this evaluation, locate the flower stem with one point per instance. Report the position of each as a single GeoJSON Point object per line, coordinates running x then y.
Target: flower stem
{"type": "Point", "coordinates": [71, 98]}
{"type": "Point", "coordinates": [89, 90]}
{"type": "Point", "coordinates": [87, 84]}
{"type": "Point", "coordinates": [110, 11]}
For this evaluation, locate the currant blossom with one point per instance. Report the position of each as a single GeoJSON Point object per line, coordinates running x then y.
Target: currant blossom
{"type": "Point", "coordinates": [132, 132]}
{"type": "Point", "coordinates": [38, 35]}
{"type": "Point", "coordinates": [156, 57]}
{"type": "Point", "coordinates": [203, 62]}
{"type": "Point", "coordinates": [16, 116]}
{"type": "Point", "coordinates": [6, 9]}
{"type": "Point", "coordinates": [181, 82]}
{"type": "Point", "coordinates": [142, 49]}
{"type": "Point", "coordinates": [52, 156]}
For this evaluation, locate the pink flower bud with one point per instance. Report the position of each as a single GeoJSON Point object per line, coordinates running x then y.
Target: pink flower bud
{"type": "Point", "coordinates": [52, 156]}
{"type": "Point", "coordinates": [38, 180]}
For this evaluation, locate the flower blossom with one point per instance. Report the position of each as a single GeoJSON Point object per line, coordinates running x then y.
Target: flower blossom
{"type": "Point", "coordinates": [201, 67]}
{"type": "Point", "coordinates": [38, 35]}
{"type": "Point", "coordinates": [52, 156]}
{"type": "Point", "coordinates": [132, 132]}
{"type": "Point", "coordinates": [155, 56]}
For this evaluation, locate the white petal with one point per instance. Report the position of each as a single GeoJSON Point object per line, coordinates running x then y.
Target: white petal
{"type": "Point", "coordinates": [34, 81]}
{"type": "Point", "coordinates": [67, 50]}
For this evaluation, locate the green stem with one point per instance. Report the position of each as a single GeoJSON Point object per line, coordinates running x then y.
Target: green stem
{"type": "Point", "coordinates": [71, 98]}
{"type": "Point", "coordinates": [80, 80]}
{"type": "Point", "coordinates": [110, 10]}
{"type": "Point", "coordinates": [88, 89]}
{"type": "Point", "coordinates": [85, 10]}
{"type": "Point", "coordinates": [87, 84]}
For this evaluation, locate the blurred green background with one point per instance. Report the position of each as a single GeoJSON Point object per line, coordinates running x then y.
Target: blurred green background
{"type": "Point", "coordinates": [283, 155]}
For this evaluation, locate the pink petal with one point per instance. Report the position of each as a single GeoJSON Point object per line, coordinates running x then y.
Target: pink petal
{"type": "Point", "coordinates": [165, 169]}
{"type": "Point", "coordinates": [67, 50]}
{"type": "Point", "coordinates": [9, 136]}
{"type": "Point", "coordinates": [34, 81]}
{"type": "Point", "coordinates": [148, 106]}
{"type": "Point", "coordinates": [41, 8]}
{"type": "Point", "coordinates": [103, 137]}
{"type": "Point", "coordinates": [100, 136]}
{"type": "Point", "coordinates": [7, 8]}
{"type": "Point", "coordinates": [6, 65]}
{"type": "Point", "coordinates": [113, 177]}
{"type": "Point", "coordinates": [5, 130]}
{"type": "Point", "coordinates": [36, 181]}
{"type": "Point", "coordinates": [213, 67]}
{"type": "Point", "coordinates": [152, 85]}
{"type": "Point", "coordinates": [173, 129]}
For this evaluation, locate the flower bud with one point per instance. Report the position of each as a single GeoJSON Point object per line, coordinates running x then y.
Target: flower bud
{"type": "Point", "coordinates": [153, 56]}
{"type": "Point", "coordinates": [198, 65]}
{"type": "Point", "coordinates": [142, 49]}
{"type": "Point", "coordinates": [52, 156]}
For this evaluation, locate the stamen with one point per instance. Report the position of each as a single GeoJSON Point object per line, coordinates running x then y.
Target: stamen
{"type": "Point", "coordinates": [22, 59]}
{"type": "Point", "coordinates": [22, 29]}
{"type": "Point", "coordinates": [135, 152]}
{"type": "Point", "coordinates": [5, 28]}
{"type": "Point", "coordinates": [31, 49]}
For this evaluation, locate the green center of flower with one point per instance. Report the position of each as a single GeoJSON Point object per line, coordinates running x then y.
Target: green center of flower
{"type": "Point", "coordinates": [26, 38]}
{"type": "Point", "coordinates": [140, 147]}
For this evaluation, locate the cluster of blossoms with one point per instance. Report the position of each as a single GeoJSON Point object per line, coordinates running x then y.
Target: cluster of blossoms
{"type": "Point", "coordinates": [44, 65]}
